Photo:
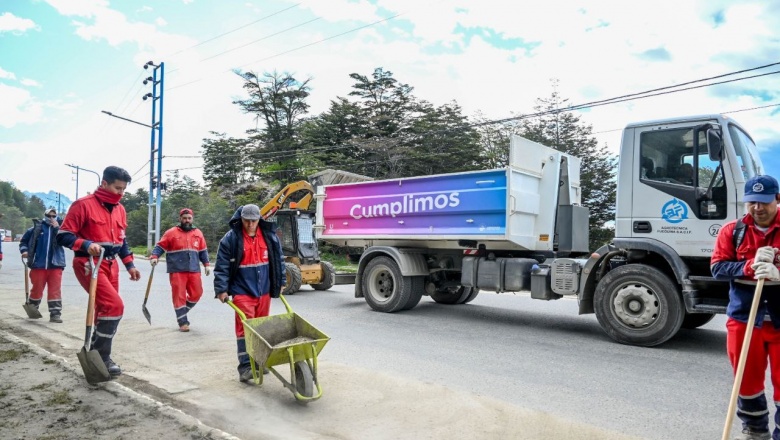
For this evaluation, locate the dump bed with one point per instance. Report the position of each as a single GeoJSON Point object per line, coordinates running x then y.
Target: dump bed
{"type": "Point", "coordinates": [512, 208]}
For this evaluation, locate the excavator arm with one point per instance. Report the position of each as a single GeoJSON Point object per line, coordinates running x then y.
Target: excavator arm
{"type": "Point", "coordinates": [283, 196]}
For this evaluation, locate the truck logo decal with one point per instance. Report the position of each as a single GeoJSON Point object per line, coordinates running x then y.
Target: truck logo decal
{"type": "Point", "coordinates": [674, 211]}
{"type": "Point", "coordinates": [714, 229]}
{"type": "Point", "coordinates": [408, 204]}
{"type": "Point", "coordinates": [758, 187]}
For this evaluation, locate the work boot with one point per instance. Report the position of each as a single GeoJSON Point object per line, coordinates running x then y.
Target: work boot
{"type": "Point", "coordinates": [113, 369]}
{"type": "Point", "coordinates": [751, 434]}
{"type": "Point", "coordinates": [184, 328]}
{"type": "Point", "coordinates": [245, 375]}
{"type": "Point", "coordinates": [55, 318]}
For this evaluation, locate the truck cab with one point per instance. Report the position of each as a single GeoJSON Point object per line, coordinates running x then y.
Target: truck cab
{"type": "Point", "coordinates": [679, 181]}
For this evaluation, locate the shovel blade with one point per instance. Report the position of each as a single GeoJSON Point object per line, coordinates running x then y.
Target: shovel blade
{"type": "Point", "coordinates": [95, 370]}
{"type": "Point", "coordinates": [147, 315]}
{"type": "Point", "coordinates": [32, 311]}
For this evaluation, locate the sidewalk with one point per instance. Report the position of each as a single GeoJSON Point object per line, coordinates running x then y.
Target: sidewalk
{"type": "Point", "coordinates": [195, 373]}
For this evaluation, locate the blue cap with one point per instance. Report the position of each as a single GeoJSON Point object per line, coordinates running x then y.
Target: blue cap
{"type": "Point", "coordinates": [762, 189]}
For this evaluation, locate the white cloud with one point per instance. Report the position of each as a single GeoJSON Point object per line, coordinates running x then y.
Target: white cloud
{"type": "Point", "coordinates": [29, 82]}
{"type": "Point", "coordinates": [4, 74]}
{"type": "Point", "coordinates": [11, 23]}
{"type": "Point", "coordinates": [340, 10]}
{"type": "Point", "coordinates": [144, 9]}
{"type": "Point", "coordinates": [18, 107]}
{"type": "Point", "coordinates": [159, 21]}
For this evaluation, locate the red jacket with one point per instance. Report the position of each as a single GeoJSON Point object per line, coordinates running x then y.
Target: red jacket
{"type": "Point", "coordinates": [90, 221]}
{"type": "Point", "coordinates": [732, 264]}
{"type": "Point", "coordinates": [185, 249]}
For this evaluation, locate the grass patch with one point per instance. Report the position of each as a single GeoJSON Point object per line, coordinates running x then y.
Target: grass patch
{"type": "Point", "coordinates": [49, 361]}
{"type": "Point", "coordinates": [3, 393]}
{"type": "Point", "coordinates": [59, 398]}
{"type": "Point", "coordinates": [11, 355]}
{"type": "Point", "coordinates": [340, 262]}
{"type": "Point", "coordinates": [42, 386]}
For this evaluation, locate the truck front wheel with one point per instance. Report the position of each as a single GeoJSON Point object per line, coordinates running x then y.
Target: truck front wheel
{"type": "Point", "coordinates": [384, 288]}
{"type": "Point", "coordinates": [638, 305]}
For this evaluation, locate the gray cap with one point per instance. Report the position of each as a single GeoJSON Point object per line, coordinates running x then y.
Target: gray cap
{"type": "Point", "coordinates": [250, 212]}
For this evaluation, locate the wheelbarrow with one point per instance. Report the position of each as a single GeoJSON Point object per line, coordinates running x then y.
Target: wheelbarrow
{"type": "Point", "coordinates": [285, 339]}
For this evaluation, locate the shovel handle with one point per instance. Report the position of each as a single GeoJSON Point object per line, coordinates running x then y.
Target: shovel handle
{"type": "Point", "coordinates": [743, 354]}
{"type": "Point", "coordinates": [93, 286]}
{"type": "Point", "coordinates": [26, 281]}
{"type": "Point", "coordinates": [149, 284]}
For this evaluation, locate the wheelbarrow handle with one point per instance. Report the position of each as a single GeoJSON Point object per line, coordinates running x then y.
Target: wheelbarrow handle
{"type": "Point", "coordinates": [286, 304]}
{"type": "Point", "coordinates": [240, 313]}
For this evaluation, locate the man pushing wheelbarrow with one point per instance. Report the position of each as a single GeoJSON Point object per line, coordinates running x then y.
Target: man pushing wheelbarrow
{"type": "Point", "coordinates": [250, 268]}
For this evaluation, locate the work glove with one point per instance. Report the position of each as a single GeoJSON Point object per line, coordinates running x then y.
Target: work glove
{"type": "Point", "coordinates": [207, 270]}
{"type": "Point", "coordinates": [766, 271]}
{"type": "Point", "coordinates": [153, 261]}
{"type": "Point", "coordinates": [765, 254]}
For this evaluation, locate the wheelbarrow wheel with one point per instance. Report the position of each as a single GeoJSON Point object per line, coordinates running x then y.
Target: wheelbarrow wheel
{"type": "Point", "coordinates": [304, 381]}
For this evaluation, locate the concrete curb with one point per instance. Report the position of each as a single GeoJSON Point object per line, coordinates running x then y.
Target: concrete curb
{"type": "Point", "coordinates": [185, 419]}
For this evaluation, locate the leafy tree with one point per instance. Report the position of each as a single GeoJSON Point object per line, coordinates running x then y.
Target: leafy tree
{"type": "Point", "coordinates": [279, 101]}
{"type": "Point", "coordinates": [34, 208]}
{"type": "Point", "coordinates": [225, 160]}
{"type": "Point", "coordinates": [493, 141]}
{"type": "Point", "coordinates": [441, 141]}
{"type": "Point", "coordinates": [13, 218]}
{"type": "Point", "coordinates": [563, 131]}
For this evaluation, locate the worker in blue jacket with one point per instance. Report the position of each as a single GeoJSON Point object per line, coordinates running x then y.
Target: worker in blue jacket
{"type": "Point", "coordinates": [46, 260]}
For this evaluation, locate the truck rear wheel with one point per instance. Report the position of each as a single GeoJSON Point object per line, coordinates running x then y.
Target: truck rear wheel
{"type": "Point", "coordinates": [293, 274]}
{"type": "Point", "coordinates": [328, 276]}
{"type": "Point", "coordinates": [638, 305]}
{"type": "Point", "coordinates": [454, 295]}
{"type": "Point", "coordinates": [696, 320]}
{"type": "Point", "coordinates": [384, 288]}
{"type": "Point", "coordinates": [418, 287]}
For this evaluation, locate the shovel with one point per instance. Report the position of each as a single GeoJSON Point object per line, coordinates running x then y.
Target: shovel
{"type": "Point", "coordinates": [95, 370]}
{"type": "Point", "coordinates": [148, 315]}
{"type": "Point", "coordinates": [743, 354]}
{"type": "Point", "coordinates": [32, 311]}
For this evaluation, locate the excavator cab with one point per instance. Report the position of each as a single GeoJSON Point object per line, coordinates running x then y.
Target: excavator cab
{"type": "Point", "coordinates": [296, 232]}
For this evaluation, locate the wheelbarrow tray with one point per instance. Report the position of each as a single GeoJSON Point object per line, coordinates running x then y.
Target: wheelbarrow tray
{"type": "Point", "coordinates": [268, 339]}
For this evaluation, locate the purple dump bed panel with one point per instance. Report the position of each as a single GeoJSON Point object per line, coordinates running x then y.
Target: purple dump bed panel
{"type": "Point", "coordinates": [454, 204]}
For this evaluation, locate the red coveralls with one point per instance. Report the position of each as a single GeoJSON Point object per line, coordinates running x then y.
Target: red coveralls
{"type": "Point", "coordinates": [89, 221]}
{"type": "Point", "coordinates": [734, 264]}
{"type": "Point", "coordinates": [186, 250]}
{"type": "Point", "coordinates": [255, 254]}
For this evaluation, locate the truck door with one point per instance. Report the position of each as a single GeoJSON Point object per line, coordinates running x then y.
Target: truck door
{"type": "Point", "coordinates": [673, 200]}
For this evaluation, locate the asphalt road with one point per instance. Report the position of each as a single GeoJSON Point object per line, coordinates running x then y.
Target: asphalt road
{"type": "Point", "coordinates": [508, 349]}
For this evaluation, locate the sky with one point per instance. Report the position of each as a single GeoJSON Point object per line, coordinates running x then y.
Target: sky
{"type": "Point", "coordinates": [63, 62]}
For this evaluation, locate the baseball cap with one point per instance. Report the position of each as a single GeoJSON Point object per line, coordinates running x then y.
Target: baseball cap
{"type": "Point", "coordinates": [186, 211]}
{"type": "Point", "coordinates": [250, 212]}
{"type": "Point", "coordinates": [50, 210]}
{"type": "Point", "coordinates": [762, 189]}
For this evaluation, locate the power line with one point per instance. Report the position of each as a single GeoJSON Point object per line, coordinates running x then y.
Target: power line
{"type": "Point", "coordinates": [261, 39]}
{"type": "Point", "coordinates": [234, 30]}
{"type": "Point", "coordinates": [291, 50]}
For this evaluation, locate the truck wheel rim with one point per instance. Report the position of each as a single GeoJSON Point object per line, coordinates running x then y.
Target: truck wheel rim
{"type": "Point", "coordinates": [381, 285]}
{"type": "Point", "coordinates": [636, 305]}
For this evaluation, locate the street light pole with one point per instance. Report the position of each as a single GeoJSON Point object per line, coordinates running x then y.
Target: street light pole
{"type": "Point", "coordinates": [78, 168]}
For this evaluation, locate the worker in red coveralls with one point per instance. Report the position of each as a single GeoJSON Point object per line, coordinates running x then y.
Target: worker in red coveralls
{"type": "Point", "coordinates": [250, 268]}
{"type": "Point", "coordinates": [94, 222]}
{"type": "Point", "coordinates": [743, 257]}
{"type": "Point", "coordinates": [46, 260]}
{"type": "Point", "coordinates": [186, 248]}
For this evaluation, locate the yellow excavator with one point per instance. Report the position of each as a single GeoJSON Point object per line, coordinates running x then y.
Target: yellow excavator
{"type": "Point", "coordinates": [289, 208]}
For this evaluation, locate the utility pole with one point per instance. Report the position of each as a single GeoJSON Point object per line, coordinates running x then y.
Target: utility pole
{"type": "Point", "coordinates": [155, 153]}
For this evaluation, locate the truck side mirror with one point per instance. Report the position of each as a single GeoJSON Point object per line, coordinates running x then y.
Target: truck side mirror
{"type": "Point", "coordinates": [714, 145]}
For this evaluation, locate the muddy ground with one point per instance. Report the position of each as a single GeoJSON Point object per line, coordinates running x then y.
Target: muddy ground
{"type": "Point", "coordinates": [42, 398]}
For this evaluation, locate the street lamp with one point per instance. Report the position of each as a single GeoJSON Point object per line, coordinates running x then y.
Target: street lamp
{"type": "Point", "coordinates": [78, 168]}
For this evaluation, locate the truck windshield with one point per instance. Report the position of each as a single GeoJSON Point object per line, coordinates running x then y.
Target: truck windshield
{"type": "Point", "coordinates": [747, 154]}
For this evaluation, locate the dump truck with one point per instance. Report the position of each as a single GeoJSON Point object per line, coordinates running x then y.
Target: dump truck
{"type": "Point", "coordinates": [523, 228]}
